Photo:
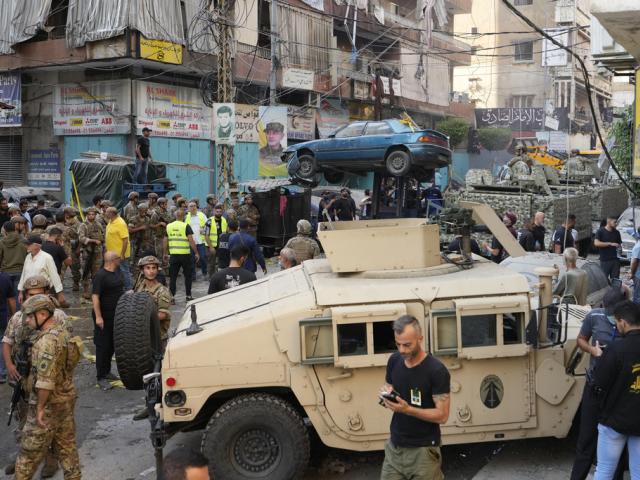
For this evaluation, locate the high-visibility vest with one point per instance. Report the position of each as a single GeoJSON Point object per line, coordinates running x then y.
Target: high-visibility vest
{"type": "Point", "coordinates": [202, 218]}
{"type": "Point", "coordinates": [213, 230]}
{"type": "Point", "coordinates": [177, 236]}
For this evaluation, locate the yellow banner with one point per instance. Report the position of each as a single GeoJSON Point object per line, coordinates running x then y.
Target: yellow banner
{"type": "Point", "coordinates": [636, 129]}
{"type": "Point", "coordinates": [160, 51]}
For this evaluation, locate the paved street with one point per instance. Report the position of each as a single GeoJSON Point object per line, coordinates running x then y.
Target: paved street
{"type": "Point", "coordinates": [113, 447]}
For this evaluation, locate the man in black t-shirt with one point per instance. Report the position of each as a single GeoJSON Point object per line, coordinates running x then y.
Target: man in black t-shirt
{"type": "Point", "coordinates": [608, 240]}
{"type": "Point", "coordinates": [108, 287]}
{"type": "Point", "coordinates": [343, 208]}
{"type": "Point", "coordinates": [53, 248]}
{"type": "Point", "coordinates": [562, 237]}
{"type": "Point", "coordinates": [222, 253]}
{"type": "Point", "coordinates": [143, 157]}
{"type": "Point", "coordinates": [422, 384]}
{"type": "Point", "coordinates": [234, 274]}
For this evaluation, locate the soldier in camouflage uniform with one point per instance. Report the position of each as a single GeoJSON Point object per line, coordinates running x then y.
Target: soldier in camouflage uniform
{"type": "Point", "coordinates": [159, 221]}
{"type": "Point", "coordinates": [16, 333]}
{"type": "Point", "coordinates": [149, 283]}
{"type": "Point", "coordinates": [249, 211]}
{"type": "Point", "coordinates": [91, 236]}
{"type": "Point", "coordinates": [152, 201]}
{"type": "Point", "coordinates": [71, 244]}
{"type": "Point", "coordinates": [101, 218]}
{"type": "Point", "coordinates": [39, 226]}
{"type": "Point", "coordinates": [52, 395]}
{"type": "Point", "coordinates": [141, 233]}
{"type": "Point", "coordinates": [232, 212]}
{"type": "Point", "coordinates": [304, 247]}
{"type": "Point", "coordinates": [130, 210]}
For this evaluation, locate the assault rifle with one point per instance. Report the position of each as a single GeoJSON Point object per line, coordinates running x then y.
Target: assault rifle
{"type": "Point", "coordinates": [22, 365]}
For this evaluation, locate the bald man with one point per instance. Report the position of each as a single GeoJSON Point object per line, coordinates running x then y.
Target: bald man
{"type": "Point", "coordinates": [108, 287]}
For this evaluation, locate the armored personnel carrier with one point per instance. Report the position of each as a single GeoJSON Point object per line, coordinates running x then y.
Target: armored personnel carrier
{"type": "Point", "coordinates": [263, 366]}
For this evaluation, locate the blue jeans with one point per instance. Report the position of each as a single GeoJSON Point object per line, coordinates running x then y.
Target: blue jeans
{"type": "Point", "coordinates": [202, 252]}
{"type": "Point", "coordinates": [140, 173]}
{"type": "Point", "coordinates": [636, 289]}
{"type": "Point", "coordinates": [125, 268]}
{"type": "Point", "coordinates": [610, 447]}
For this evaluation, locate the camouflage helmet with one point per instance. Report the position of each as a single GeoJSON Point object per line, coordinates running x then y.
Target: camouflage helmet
{"type": "Point", "coordinates": [143, 206]}
{"type": "Point", "coordinates": [133, 195]}
{"type": "Point", "coordinates": [162, 200]}
{"type": "Point", "coordinates": [304, 227]}
{"type": "Point", "coordinates": [91, 210]}
{"type": "Point", "coordinates": [106, 203]}
{"type": "Point", "coordinates": [70, 211]}
{"type": "Point", "coordinates": [152, 195]}
{"type": "Point", "coordinates": [39, 220]}
{"type": "Point", "coordinates": [148, 260]}
{"type": "Point", "coordinates": [211, 196]}
{"type": "Point", "coordinates": [38, 302]}
{"type": "Point", "coordinates": [36, 281]}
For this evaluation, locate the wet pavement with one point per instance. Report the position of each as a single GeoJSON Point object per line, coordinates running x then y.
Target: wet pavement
{"type": "Point", "coordinates": [114, 447]}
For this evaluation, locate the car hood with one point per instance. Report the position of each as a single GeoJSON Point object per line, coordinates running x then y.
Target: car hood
{"type": "Point", "coordinates": [311, 144]}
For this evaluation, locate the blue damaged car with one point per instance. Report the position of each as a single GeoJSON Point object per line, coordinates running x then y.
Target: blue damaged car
{"type": "Point", "coordinates": [388, 146]}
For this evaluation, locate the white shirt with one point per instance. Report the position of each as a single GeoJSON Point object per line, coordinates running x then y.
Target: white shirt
{"type": "Point", "coordinates": [41, 264]}
{"type": "Point", "coordinates": [194, 221]}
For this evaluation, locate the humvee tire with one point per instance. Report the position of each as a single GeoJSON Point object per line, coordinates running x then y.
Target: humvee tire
{"type": "Point", "coordinates": [398, 163]}
{"type": "Point", "coordinates": [256, 436]}
{"type": "Point", "coordinates": [136, 337]}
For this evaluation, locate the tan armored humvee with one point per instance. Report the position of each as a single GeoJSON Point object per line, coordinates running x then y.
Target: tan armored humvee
{"type": "Point", "coordinates": [262, 366]}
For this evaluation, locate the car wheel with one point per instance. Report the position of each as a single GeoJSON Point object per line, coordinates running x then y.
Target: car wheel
{"type": "Point", "coordinates": [398, 163]}
{"type": "Point", "coordinates": [333, 177]}
{"type": "Point", "coordinates": [307, 168]}
{"type": "Point", "coordinates": [136, 338]}
{"type": "Point", "coordinates": [256, 436]}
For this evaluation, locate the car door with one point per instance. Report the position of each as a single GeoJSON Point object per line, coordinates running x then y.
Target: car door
{"type": "Point", "coordinates": [377, 138]}
{"type": "Point", "coordinates": [343, 150]}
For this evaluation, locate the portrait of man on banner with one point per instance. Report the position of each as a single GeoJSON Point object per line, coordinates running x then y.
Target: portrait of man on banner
{"type": "Point", "coordinates": [272, 129]}
{"type": "Point", "coordinates": [224, 123]}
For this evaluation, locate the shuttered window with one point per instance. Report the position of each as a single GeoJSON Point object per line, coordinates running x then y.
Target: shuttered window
{"type": "Point", "coordinates": [11, 165]}
{"type": "Point", "coordinates": [306, 38]}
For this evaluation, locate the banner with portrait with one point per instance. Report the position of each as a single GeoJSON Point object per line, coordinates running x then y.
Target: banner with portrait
{"type": "Point", "coordinates": [224, 123]}
{"type": "Point", "coordinates": [272, 135]}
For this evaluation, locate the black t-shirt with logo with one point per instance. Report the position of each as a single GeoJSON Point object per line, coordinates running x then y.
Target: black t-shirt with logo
{"type": "Point", "coordinates": [417, 386]}
{"type": "Point", "coordinates": [228, 278]}
{"type": "Point", "coordinates": [223, 255]}
{"type": "Point", "coordinates": [562, 237]}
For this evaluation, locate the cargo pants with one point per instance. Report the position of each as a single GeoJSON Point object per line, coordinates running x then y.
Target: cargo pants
{"type": "Point", "coordinates": [60, 434]}
{"type": "Point", "coordinates": [403, 463]}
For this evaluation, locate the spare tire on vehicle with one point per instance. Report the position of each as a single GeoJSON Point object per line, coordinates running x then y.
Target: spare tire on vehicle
{"type": "Point", "coordinates": [136, 338]}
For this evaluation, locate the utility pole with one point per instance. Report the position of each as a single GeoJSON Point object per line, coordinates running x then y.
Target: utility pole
{"type": "Point", "coordinates": [273, 79]}
{"type": "Point", "coordinates": [226, 176]}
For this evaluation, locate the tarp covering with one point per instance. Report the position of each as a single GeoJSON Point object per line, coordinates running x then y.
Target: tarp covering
{"type": "Point", "coordinates": [95, 177]}
{"type": "Point", "coordinates": [92, 20]}
{"type": "Point", "coordinates": [20, 20]}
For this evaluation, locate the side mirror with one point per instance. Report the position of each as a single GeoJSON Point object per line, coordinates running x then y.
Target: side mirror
{"type": "Point", "coordinates": [333, 135]}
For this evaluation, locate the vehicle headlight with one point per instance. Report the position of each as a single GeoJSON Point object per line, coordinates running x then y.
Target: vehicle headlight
{"type": "Point", "coordinates": [175, 398]}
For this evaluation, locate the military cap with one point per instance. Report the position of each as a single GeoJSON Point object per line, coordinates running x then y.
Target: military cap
{"type": "Point", "coordinates": [143, 206]}
{"type": "Point", "coordinates": [70, 211]}
{"type": "Point", "coordinates": [148, 260]}
{"type": "Point", "coordinates": [39, 220]}
{"type": "Point", "coordinates": [304, 227]}
{"type": "Point", "coordinates": [106, 203]}
{"type": "Point", "coordinates": [38, 302]}
{"type": "Point", "coordinates": [152, 195]}
{"type": "Point", "coordinates": [35, 281]}
{"type": "Point", "coordinates": [91, 210]}
{"type": "Point", "coordinates": [274, 127]}
{"type": "Point", "coordinates": [162, 200]}
{"type": "Point", "coordinates": [133, 195]}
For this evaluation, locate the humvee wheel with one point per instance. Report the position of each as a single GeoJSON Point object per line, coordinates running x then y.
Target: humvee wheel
{"type": "Point", "coordinates": [256, 436]}
{"type": "Point", "coordinates": [136, 338]}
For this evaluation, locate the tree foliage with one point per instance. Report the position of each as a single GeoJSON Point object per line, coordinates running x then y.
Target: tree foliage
{"type": "Point", "coordinates": [456, 128]}
{"type": "Point", "coordinates": [494, 138]}
{"type": "Point", "coordinates": [622, 151]}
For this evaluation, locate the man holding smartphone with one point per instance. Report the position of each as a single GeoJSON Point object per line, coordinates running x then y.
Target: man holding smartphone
{"type": "Point", "coordinates": [417, 391]}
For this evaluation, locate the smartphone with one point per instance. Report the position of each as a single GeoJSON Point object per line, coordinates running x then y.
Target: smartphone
{"type": "Point", "coordinates": [391, 396]}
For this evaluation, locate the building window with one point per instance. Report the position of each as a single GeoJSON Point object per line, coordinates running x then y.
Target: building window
{"type": "Point", "coordinates": [523, 51]}
{"type": "Point", "coordinates": [519, 3]}
{"type": "Point", "coordinates": [393, 8]}
{"type": "Point", "coordinates": [520, 101]}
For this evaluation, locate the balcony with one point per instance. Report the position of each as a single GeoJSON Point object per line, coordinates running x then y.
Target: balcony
{"type": "Point", "coordinates": [621, 19]}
